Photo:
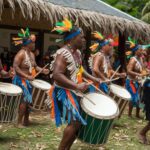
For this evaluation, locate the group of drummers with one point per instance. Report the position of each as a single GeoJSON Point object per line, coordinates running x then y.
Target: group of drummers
{"type": "Point", "coordinates": [71, 81]}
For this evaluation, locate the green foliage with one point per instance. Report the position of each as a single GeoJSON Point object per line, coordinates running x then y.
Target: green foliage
{"type": "Point", "coordinates": [132, 7]}
{"type": "Point", "coordinates": [146, 18]}
{"type": "Point", "coordinates": [146, 13]}
{"type": "Point", "coordinates": [146, 9]}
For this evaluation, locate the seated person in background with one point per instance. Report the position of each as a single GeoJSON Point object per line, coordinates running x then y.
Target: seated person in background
{"type": "Point", "coordinates": [5, 74]}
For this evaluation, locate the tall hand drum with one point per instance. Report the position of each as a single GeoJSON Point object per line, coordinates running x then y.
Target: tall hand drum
{"type": "Point", "coordinates": [121, 96]}
{"type": "Point", "coordinates": [10, 96]}
{"type": "Point", "coordinates": [99, 117]}
{"type": "Point", "coordinates": [39, 94]}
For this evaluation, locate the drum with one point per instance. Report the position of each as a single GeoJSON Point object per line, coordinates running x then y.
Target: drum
{"type": "Point", "coordinates": [120, 95]}
{"type": "Point", "coordinates": [39, 94]}
{"type": "Point", "coordinates": [10, 96]}
{"type": "Point", "coordinates": [99, 118]}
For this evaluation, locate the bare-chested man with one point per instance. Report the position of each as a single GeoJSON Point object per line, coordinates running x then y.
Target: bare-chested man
{"type": "Point", "coordinates": [134, 71]}
{"type": "Point", "coordinates": [25, 68]}
{"type": "Point", "coordinates": [100, 60]}
{"type": "Point", "coordinates": [67, 74]}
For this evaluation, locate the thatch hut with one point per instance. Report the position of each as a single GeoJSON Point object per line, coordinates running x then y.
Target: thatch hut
{"type": "Point", "coordinates": [41, 15]}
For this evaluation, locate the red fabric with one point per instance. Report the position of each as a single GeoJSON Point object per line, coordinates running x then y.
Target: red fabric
{"type": "Point", "coordinates": [132, 87]}
{"type": "Point", "coordinates": [5, 67]}
{"type": "Point", "coordinates": [71, 98]}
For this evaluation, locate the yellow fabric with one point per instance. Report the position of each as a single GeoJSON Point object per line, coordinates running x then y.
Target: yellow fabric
{"type": "Point", "coordinates": [33, 72]}
{"type": "Point", "coordinates": [79, 75]}
{"type": "Point", "coordinates": [144, 72]}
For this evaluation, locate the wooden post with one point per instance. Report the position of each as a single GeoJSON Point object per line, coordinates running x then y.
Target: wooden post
{"type": "Point", "coordinates": [87, 51]}
{"type": "Point", "coordinates": [40, 44]}
{"type": "Point", "coordinates": [121, 52]}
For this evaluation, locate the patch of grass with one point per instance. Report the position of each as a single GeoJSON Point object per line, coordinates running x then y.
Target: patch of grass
{"type": "Point", "coordinates": [42, 135]}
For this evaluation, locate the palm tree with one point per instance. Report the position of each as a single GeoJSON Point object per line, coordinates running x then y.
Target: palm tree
{"type": "Point", "coordinates": [146, 13]}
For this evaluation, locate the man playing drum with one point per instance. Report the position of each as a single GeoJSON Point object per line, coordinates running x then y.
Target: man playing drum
{"type": "Point", "coordinates": [134, 71]}
{"type": "Point", "coordinates": [25, 68]}
{"type": "Point", "coordinates": [67, 74]}
{"type": "Point", "coordinates": [99, 61]}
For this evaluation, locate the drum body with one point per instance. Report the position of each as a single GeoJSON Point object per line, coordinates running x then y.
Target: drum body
{"type": "Point", "coordinates": [10, 96]}
{"type": "Point", "coordinates": [99, 117]}
{"type": "Point", "coordinates": [121, 96]}
{"type": "Point", "coordinates": [39, 95]}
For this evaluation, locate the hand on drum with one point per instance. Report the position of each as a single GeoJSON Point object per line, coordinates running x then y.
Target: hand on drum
{"type": "Point", "coordinates": [45, 71]}
{"type": "Point", "coordinates": [82, 86]}
{"type": "Point", "coordinates": [30, 78]}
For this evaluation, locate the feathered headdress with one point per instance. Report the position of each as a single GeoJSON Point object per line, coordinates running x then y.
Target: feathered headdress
{"type": "Point", "coordinates": [115, 39]}
{"type": "Point", "coordinates": [100, 41]}
{"type": "Point", "coordinates": [94, 48]}
{"type": "Point", "coordinates": [97, 35]}
{"type": "Point", "coordinates": [132, 47]}
{"type": "Point", "coordinates": [24, 37]}
{"type": "Point", "coordinates": [64, 26]}
{"type": "Point", "coordinates": [131, 43]}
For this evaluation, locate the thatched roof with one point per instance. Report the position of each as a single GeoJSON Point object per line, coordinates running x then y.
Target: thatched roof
{"type": "Point", "coordinates": [44, 13]}
{"type": "Point", "coordinates": [94, 5]}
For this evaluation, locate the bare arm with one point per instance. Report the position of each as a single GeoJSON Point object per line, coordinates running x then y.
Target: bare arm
{"type": "Point", "coordinates": [130, 68]}
{"type": "Point", "coordinates": [59, 74]}
{"type": "Point", "coordinates": [88, 76]}
{"type": "Point", "coordinates": [17, 62]}
{"type": "Point", "coordinates": [38, 68]}
{"type": "Point", "coordinates": [97, 63]}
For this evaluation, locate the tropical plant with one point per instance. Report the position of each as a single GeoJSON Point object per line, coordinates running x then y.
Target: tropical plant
{"type": "Point", "coordinates": [132, 7]}
{"type": "Point", "coordinates": [146, 13]}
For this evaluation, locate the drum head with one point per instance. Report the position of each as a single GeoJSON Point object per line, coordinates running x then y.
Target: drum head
{"type": "Point", "coordinates": [41, 84]}
{"type": "Point", "coordinates": [104, 108]}
{"type": "Point", "coordinates": [120, 91]}
{"type": "Point", "coordinates": [10, 89]}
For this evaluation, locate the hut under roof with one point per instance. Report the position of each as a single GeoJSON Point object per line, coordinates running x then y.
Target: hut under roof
{"type": "Point", "coordinates": [90, 15]}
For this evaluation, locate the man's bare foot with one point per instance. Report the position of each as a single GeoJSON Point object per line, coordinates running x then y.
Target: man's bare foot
{"type": "Point", "coordinates": [26, 123]}
{"type": "Point", "coordinates": [58, 130]}
{"type": "Point", "coordinates": [138, 117]}
{"type": "Point", "coordinates": [143, 139]}
{"type": "Point", "coordinates": [20, 126]}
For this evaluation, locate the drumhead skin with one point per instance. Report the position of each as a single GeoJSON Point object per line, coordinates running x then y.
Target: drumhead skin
{"type": "Point", "coordinates": [120, 91]}
{"type": "Point", "coordinates": [104, 108]}
{"type": "Point", "coordinates": [41, 84]}
{"type": "Point", "coordinates": [10, 89]}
